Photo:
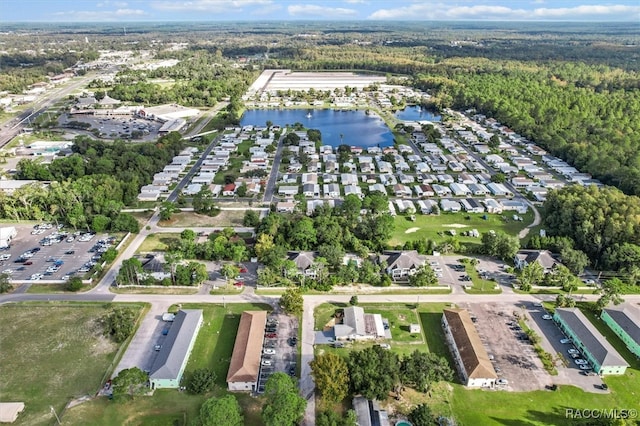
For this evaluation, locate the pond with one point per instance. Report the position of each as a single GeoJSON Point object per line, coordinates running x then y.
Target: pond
{"type": "Point", "coordinates": [351, 127]}
{"type": "Point", "coordinates": [416, 113]}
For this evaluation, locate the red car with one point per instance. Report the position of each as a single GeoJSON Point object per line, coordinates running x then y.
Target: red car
{"type": "Point", "coordinates": [243, 270]}
{"type": "Point", "coordinates": [239, 284]}
{"type": "Point", "coordinates": [28, 262]}
{"type": "Point", "coordinates": [271, 335]}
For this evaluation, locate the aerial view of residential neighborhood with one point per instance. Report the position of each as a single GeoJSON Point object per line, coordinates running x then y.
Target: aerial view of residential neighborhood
{"type": "Point", "coordinates": [331, 213]}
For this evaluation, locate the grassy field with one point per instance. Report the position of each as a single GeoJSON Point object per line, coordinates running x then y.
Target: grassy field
{"type": "Point", "coordinates": [212, 349]}
{"type": "Point", "coordinates": [51, 354]}
{"type": "Point", "coordinates": [157, 242]}
{"type": "Point", "coordinates": [428, 315]}
{"type": "Point", "coordinates": [436, 227]}
{"type": "Point", "coordinates": [153, 290]}
{"type": "Point", "coordinates": [53, 289]}
{"type": "Point", "coordinates": [191, 219]}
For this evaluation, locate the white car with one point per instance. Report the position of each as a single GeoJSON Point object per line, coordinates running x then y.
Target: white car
{"type": "Point", "coordinates": [547, 317]}
{"type": "Point", "coordinates": [502, 382]}
{"type": "Point", "coordinates": [572, 351]}
{"type": "Point", "coordinates": [564, 341]}
{"type": "Point", "coordinates": [5, 257]}
{"type": "Point", "coordinates": [8, 271]}
{"type": "Point", "coordinates": [580, 361]}
{"type": "Point", "coordinates": [266, 362]}
{"type": "Point", "coordinates": [584, 367]}
{"type": "Point", "coordinates": [269, 351]}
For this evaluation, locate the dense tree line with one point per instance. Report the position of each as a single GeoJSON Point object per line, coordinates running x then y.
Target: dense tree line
{"type": "Point", "coordinates": [91, 186]}
{"type": "Point", "coordinates": [603, 223]}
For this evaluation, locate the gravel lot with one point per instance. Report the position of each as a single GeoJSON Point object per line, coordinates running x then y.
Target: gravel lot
{"type": "Point", "coordinates": [514, 359]}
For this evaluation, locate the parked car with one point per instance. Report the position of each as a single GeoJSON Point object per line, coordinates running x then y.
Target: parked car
{"type": "Point", "coordinates": [266, 362]}
{"type": "Point", "coordinates": [564, 341]}
{"type": "Point", "coordinates": [502, 382]}
{"type": "Point", "coordinates": [239, 284]}
{"type": "Point", "coordinates": [243, 270]}
{"type": "Point", "coordinates": [269, 351]}
{"type": "Point", "coordinates": [584, 367]}
{"type": "Point", "coordinates": [580, 361]}
{"type": "Point", "coordinates": [271, 335]}
{"type": "Point", "coordinates": [293, 341]}
{"type": "Point", "coordinates": [547, 317]}
{"type": "Point", "coordinates": [572, 351]}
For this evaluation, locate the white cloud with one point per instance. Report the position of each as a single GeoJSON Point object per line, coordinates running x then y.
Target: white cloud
{"type": "Point", "coordinates": [266, 10]}
{"type": "Point", "coordinates": [441, 11]}
{"type": "Point", "coordinates": [100, 15]}
{"type": "Point", "coordinates": [119, 4]}
{"type": "Point", "coordinates": [211, 6]}
{"type": "Point", "coordinates": [312, 10]}
{"type": "Point", "coordinates": [356, 1]}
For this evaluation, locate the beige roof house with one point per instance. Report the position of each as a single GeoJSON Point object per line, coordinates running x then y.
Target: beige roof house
{"type": "Point", "coordinates": [469, 354]}
{"type": "Point", "coordinates": [245, 359]}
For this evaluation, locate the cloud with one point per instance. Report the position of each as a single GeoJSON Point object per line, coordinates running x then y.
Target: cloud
{"type": "Point", "coordinates": [119, 4]}
{"type": "Point", "coordinates": [266, 10]}
{"type": "Point", "coordinates": [100, 15]}
{"type": "Point", "coordinates": [441, 11]}
{"type": "Point", "coordinates": [356, 1]}
{"type": "Point", "coordinates": [211, 6]}
{"type": "Point", "coordinates": [312, 10]}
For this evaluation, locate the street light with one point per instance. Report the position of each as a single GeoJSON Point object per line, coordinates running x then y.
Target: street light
{"type": "Point", "coordinates": [55, 414]}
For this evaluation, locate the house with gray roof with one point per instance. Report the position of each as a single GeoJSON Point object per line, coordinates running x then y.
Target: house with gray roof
{"type": "Point", "coordinates": [543, 257]}
{"type": "Point", "coordinates": [356, 325]}
{"type": "Point", "coordinates": [172, 358]}
{"type": "Point", "coordinates": [305, 263]}
{"type": "Point", "coordinates": [369, 413]}
{"type": "Point", "coordinates": [592, 344]}
{"type": "Point", "coordinates": [402, 264]}
{"type": "Point", "coordinates": [624, 320]}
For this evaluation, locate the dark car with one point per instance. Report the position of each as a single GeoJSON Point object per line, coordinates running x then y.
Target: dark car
{"type": "Point", "coordinates": [271, 335]}
{"type": "Point", "coordinates": [35, 249]}
{"type": "Point", "coordinates": [69, 252]}
{"type": "Point", "coordinates": [293, 341]}
{"type": "Point", "coordinates": [28, 262]}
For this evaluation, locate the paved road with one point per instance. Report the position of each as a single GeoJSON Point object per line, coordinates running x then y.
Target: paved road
{"type": "Point", "coordinates": [185, 180]}
{"type": "Point", "coordinates": [207, 116]}
{"type": "Point", "coordinates": [39, 106]}
{"type": "Point", "coordinates": [273, 176]}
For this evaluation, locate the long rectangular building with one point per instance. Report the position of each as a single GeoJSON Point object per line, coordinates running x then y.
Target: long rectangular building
{"type": "Point", "coordinates": [624, 320]}
{"type": "Point", "coordinates": [247, 350]}
{"type": "Point", "coordinates": [470, 356]}
{"type": "Point", "coordinates": [168, 368]}
{"type": "Point", "coordinates": [594, 346]}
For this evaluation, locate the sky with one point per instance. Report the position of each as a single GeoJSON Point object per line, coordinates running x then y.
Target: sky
{"type": "Point", "coordinates": [291, 10]}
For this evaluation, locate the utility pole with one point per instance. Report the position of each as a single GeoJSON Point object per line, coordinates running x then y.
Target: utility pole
{"type": "Point", "coordinates": [55, 414]}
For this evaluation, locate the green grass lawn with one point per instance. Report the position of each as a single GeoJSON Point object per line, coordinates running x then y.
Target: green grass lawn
{"type": "Point", "coordinates": [51, 354]}
{"type": "Point", "coordinates": [212, 349]}
{"type": "Point", "coordinates": [157, 242]}
{"type": "Point", "coordinates": [435, 227]}
{"type": "Point", "coordinates": [480, 286]}
{"type": "Point", "coordinates": [53, 288]}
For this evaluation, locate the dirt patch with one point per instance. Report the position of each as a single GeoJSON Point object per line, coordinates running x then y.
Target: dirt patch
{"type": "Point", "coordinates": [456, 225]}
{"type": "Point", "coordinates": [411, 230]}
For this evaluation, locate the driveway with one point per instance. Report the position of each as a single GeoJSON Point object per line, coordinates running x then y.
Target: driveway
{"type": "Point", "coordinates": [140, 352]}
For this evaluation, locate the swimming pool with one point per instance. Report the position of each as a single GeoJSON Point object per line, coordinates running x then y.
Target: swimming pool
{"type": "Point", "coordinates": [403, 423]}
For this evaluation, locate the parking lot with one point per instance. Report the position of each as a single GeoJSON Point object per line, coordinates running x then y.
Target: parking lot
{"type": "Point", "coordinates": [112, 127]}
{"type": "Point", "coordinates": [60, 258]}
{"type": "Point", "coordinates": [279, 352]}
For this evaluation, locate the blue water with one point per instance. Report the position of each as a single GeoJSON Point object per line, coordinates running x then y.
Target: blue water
{"type": "Point", "coordinates": [413, 113]}
{"type": "Point", "coordinates": [356, 127]}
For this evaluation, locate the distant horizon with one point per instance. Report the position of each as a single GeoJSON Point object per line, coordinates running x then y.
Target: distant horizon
{"type": "Point", "coordinates": [136, 11]}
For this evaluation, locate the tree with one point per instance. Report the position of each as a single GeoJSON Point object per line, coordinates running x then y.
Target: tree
{"type": "Point", "coordinates": [251, 218]}
{"type": "Point", "coordinates": [129, 271]}
{"type": "Point", "coordinates": [167, 210]}
{"type": "Point", "coordinates": [230, 271]}
{"type": "Point", "coordinates": [5, 285]}
{"type": "Point", "coordinates": [119, 323]}
{"type": "Point", "coordinates": [422, 416]}
{"type": "Point", "coordinates": [499, 178]}
{"type": "Point", "coordinates": [73, 284]}
{"type": "Point", "coordinates": [494, 142]}
{"type": "Point", "coordinates": [241, 191]}
{"type": "Point", "coordinates": [283, 405]}
{"type": "Point", "coordinates": [374, 372]}
{"type": "Point", "coordinates": [292, 301]}
{"type": "Point", "coordinates": [500, 245]}
{"type": "Point", "coordinates": [331, 376]}
{"type": "Point", "coordinates": [611, 290]}
{"type": "Point", "coordinates": [564, 301]}
{"type": "Point", "coordinates": [332, 418]}
{"type": "Point", "coordinates": [420, 369]}
{"type": "Point", "coordinates": [423, 277]}
{"type": "Point", "coordinates": [188, 235]}
{"type": "Point", "coordinates": [201, 380]}
{"type": "Point", "coordinates": [303, 234]}
{"type": "Point", "coordinates": [354, 300]}
{"type": "Point", "coordinates": [131, 382]}
{"type": "Point", "coordinates": [575, 260]}
{"type": "Point", "coordinates": [223, 411]}
{"type": "Point", "coordinates": [333, 253]}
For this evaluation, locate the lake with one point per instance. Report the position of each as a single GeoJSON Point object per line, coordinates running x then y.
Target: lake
{"type": "Point", "coordinates": [415, 113]}
{"type": "Point", "coordinates": [356, 127]}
